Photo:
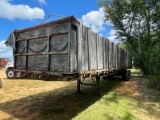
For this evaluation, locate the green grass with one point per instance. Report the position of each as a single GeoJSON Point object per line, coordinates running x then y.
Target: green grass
{"type": "Point", "coordinates": [111, 107]}
{"type": "Point", "coordinates": [134, 71]}
{"type": "Point", "coordinates": [54, 100]}
{"type": "Point", "coordinates": [115, 106]}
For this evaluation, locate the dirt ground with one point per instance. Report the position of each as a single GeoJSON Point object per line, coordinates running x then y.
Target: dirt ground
{"type": "Point", "coordinates": [147, 100]}
{"type": "Point", "coordinates": [18, 98]}
{"type": "Point", "coordinates": [137, 87]}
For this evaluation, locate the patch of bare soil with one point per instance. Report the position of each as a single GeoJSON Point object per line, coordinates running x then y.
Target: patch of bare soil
{"type": "Point", "coordinates": [131, 88]}
{"type": "Point", "coordinates": [146, 101]}
{"type": "Point", "coordinates": [137, 87]}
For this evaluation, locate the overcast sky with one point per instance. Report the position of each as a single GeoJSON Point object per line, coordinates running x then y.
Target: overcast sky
{"type": "Point", "coordinates": [17, 14]}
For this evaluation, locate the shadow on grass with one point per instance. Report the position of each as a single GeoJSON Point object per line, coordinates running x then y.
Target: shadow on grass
{"type": "Point", "coordinates": [57, 104]}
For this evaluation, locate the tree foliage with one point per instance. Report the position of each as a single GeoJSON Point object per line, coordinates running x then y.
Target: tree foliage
{"type": "Point", "coordinates": [138, 25]}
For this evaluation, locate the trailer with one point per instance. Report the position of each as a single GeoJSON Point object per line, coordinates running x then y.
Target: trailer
{"type": "Point", "coordinates": [3, 62]}
{"type": "Point", "coordinates": [66, 47]}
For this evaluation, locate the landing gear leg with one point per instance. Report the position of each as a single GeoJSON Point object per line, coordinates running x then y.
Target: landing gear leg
{"type": "Point", "coordinates": [79, 84]}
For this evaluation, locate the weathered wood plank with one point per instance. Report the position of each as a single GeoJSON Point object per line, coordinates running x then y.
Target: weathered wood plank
{"type": "Point", "coordinates": [37, 46]}
{"type": "Point", "coordinates": [20, 62]}
{"type": "Point", "coordinates": [85, 49]}
{"type": "Point", "coordinates": [114, 56]}
{"type": "Point", "coordinates": [58, 28]}
{"type": "Point", "coordinates": [59, 63]}
{"type": "Point", "coordinates": [126, 60]}
{"type": "Point", "coordinates": [118, 57]}
{"type": "Point", "coordinates": [92, 39]}
{"type": "Point", "coordinates": [110, 54]}
{"type": "Point", "coordinates": [80, 39]}
{"type": "Point", "coordinates": [100, 54]}
{"type": "Point", "coordinates": [106, 61]}
{"type": "Point", "coordinates": [39, 61]}
{"type": "Point", "coordinates": [59, 43]}
{"type": "Point", "coordinates": [104, 52]}
{"type": "Point", "coordinates": [73, 50]}
{"type": "Point", "coordinates": [21, 47]}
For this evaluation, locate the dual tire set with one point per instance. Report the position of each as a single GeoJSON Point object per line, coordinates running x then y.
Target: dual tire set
{"type": "Point", "coordinates": [126, 75]}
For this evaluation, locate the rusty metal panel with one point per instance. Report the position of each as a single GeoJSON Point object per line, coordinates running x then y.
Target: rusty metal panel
{"type": "Point", "coordinates": [92, 40]}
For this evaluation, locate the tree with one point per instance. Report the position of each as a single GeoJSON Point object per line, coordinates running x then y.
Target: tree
{"type": "Point", "coordinates": [137, 23]}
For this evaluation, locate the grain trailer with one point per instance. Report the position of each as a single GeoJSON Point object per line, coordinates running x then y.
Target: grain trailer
{"type": "Point", "coordinates": [66, 47]}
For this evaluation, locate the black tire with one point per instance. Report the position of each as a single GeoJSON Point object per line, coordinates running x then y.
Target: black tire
{"type": "Point", "coordinates": [129, 73]}
{"type": "Point", "coordinates": [126, 75]}
{"type": "Point", "coordinates": [10, 74]}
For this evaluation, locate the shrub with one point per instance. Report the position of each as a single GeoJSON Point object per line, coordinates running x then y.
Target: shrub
{"type": "Point", "coordinates": [154, 82]}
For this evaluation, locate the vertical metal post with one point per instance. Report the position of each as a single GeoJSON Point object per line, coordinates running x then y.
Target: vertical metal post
{"type": "Point", "coordinates": [98, 84]}
{"type": "Point", "coordinates": [79, 78]}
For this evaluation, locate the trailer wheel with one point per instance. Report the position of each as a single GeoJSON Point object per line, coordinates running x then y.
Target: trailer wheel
{"type": "Point", "coordinates": [126, 75]}
{"type": "Point", "coordinates": [10, 74]}
{"type": "Point", "coordinates": [129, 73]}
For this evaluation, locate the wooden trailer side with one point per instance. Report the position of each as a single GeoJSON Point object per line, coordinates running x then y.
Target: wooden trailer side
{"type": "Point", "coordinates": [110, 54]}
{"type": "Point", "coordinates": [100, 52]}
{"type": "Point", "coordinates": [106, 53]}
{"type": "Point", "coordinates": [53, 46]}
